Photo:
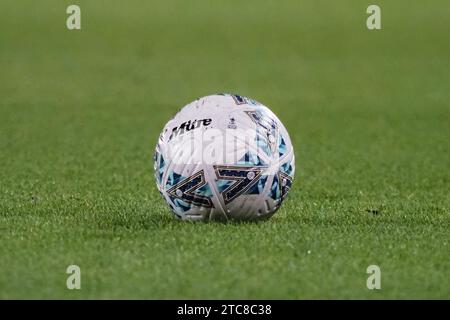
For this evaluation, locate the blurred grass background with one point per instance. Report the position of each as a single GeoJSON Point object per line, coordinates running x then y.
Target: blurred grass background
{"type": "Point", "coordinates": [368, 112]}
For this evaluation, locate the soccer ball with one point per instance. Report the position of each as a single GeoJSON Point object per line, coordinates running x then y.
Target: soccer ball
{"type": "Point", "coordinates": [224, 157]}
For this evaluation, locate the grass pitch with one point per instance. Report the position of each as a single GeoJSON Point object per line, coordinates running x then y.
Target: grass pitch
{"type": "Point", "coordinates": [368, 113]}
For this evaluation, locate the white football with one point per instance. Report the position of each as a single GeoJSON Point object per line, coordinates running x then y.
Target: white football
{"type": "Point", "coordinates": [224, 157]}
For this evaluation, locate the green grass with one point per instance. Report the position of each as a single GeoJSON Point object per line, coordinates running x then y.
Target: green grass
{"type": "Point", "coordinates": [368, 113]}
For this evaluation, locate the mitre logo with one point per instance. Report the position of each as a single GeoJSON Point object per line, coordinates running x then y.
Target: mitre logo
{"type": "Point", "coordinates": [188, 126]}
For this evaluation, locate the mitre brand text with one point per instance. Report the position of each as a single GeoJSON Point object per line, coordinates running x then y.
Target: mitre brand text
{"type": "Point", "coordinates": [188, 126]}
